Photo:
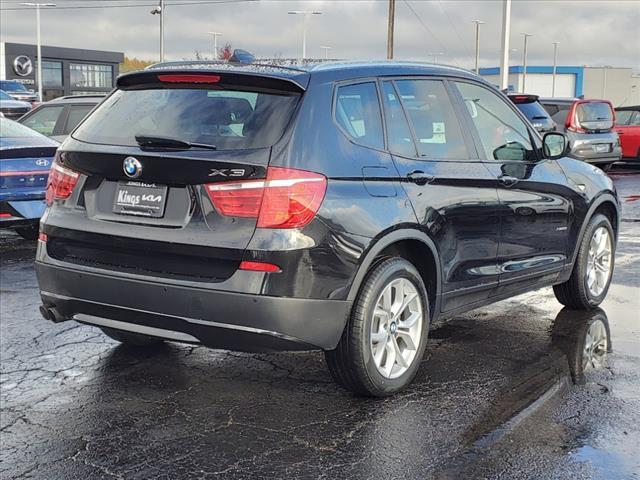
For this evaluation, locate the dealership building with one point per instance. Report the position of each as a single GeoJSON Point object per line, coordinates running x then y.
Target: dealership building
{"type": "Point", "coordinates": [619, 85]}
{"type": "Point", "coordinates": [65, 71]}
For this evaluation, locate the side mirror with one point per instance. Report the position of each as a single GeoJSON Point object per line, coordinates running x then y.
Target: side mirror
{"type": "Point", "coordinates": [554, 145]}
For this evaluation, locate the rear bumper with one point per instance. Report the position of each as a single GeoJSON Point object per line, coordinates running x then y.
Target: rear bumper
{"type": "Point", "coordinates": [215, 318]}
{"type": "Point", "coordinates": [21, 212]}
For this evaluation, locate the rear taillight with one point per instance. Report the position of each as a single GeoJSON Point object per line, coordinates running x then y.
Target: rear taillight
{"type": "Point", "coordinates": [287, 198]}
{"type": "Point", "coordinates": [61, 183]}
{"type": "Point", "coordinates": [572, 123]}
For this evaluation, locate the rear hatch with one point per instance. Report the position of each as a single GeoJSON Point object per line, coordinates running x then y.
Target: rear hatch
{"type": "Point", "coordinates": [535, 113]}
{"type": "Point", "coordinates": [591, 116]}
{"type": "Point", "coordinates": [156, 159]}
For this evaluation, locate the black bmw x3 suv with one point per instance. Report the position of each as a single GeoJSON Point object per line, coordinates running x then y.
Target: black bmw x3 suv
{"type": "Point", "coordinates": [341, 206]}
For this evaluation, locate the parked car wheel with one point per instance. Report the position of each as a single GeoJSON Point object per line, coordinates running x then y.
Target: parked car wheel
{"type": "Point", "coordinates": [589, 282]}
{"type": "Point", "coordinates": [28, 233]}
{"type": "Point", "coordinates": [384, 341]}
{"type": "Point", "coordinates": [130, 338]}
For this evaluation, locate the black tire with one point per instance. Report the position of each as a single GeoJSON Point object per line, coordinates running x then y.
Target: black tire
{"type": "Point", "coordinates": [28, 233]}
{"type": "Point", "coordinates": [574, 293]}
{"type": "Point", "coordinates": [130, 338]}
{"type": "Point", "coordinates": [351, 363]}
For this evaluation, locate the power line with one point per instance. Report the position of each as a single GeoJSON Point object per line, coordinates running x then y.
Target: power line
{"type": "Point", "coordinates": [453, 26]}
{"type": "Point", "coordinates": [137, 5]}
{"type": "Point", "coordinates": [424, 25]}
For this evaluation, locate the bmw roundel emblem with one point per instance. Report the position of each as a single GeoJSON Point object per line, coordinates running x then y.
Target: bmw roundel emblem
{"type": "Point", "coordinates": [132, 167]}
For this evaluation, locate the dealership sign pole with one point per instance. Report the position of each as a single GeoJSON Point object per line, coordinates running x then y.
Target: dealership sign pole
{"type": "Point", "coordinates": [506, 31]}
{"type": "Point", "coordinates": [38, 42]}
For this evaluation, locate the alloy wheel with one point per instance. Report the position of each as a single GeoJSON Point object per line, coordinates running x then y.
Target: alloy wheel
{"type": "Point", "coordinates": [599, 261]}
{"type": "Point", "coordinates": [396, 328]}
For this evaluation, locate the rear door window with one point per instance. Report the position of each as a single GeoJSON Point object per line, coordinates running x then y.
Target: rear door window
{"type": "Point", "coordinates": [44, 120]}
{"type": "Point", "coordinates": [436, 127]}
{"type": "Point", "coordinates": [357, 111]}
{"type": "Point", "coordinates": [228, 119]}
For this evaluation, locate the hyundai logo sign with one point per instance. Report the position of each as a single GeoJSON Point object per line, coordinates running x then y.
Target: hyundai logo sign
{"type": "Point", "coordinates": [22, 66]}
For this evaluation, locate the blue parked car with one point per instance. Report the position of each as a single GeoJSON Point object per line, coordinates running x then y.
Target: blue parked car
{"type": "Point", "coordinates": [25, 160]}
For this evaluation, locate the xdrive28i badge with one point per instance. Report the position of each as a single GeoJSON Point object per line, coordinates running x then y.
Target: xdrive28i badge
{"type": "Point", "coordinates": [132, 167]}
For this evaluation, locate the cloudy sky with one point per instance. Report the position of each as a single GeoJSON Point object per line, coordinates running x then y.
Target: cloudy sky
{"type": "Point", "coordinates": [590, 32]}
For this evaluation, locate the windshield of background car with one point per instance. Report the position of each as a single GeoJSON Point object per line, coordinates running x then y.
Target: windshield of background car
{"type": "Point", "coordinates": [9, 128]}
{"type": "Point", "coordinates": [12, 87]}
{"type": "Point", "coordinates": [4, 96]}
{"type": "Point", "coordinates": [595, 115]}
{"type": "Point", "coordinates": [228, 119]}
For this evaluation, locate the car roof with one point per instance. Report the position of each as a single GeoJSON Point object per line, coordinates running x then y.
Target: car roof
{"type": "Point", "coordinates": [301, 72]}
{"type": "Point", "coordinates": [91, 99]}
{"type": "Point", "coordinates": [558, 100]}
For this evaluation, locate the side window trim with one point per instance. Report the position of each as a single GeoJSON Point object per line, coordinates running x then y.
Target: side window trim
{"type": "Point", "coordinates": [466, 124]}
{"type": "Point", "coordinates": [391, 81]}
{"type": "Point", "coordinates": [62, 121]}
{"type": "Point", "coordinates": [474, 130]}
{"type": "Point", "coordinates": [359, 81]}
{"type": "Point", "coordinates": [414, 137]}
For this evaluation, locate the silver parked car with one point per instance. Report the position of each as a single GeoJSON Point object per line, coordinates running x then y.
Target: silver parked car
{"type": "Point", "coordinates": [11, 108]}
{"type": "Point", "coordinates": [588, 124]}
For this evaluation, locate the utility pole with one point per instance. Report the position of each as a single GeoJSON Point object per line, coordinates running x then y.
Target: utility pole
{"type": "Point", "coordinates": [478, 23]}
{"type": "Point", "coordinates": [392, 14]}
{"type": "Point", "coordinates": [215, 43]}
{"type": "Point", "coordinates": [39, 43]}
{"type": "Point", "coordinates": [307, 15]}
{"type": "Point", "coordinates": [555, 67]}
{"type": "Point", "coordinates": [159, 10]}
{"type": "Point", "coordinates": [506, 31]}
{"type": "Point", "coordinates": [524, 62]}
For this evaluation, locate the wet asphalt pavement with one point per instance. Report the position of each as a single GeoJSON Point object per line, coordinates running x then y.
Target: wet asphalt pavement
{"type": "Point", "coordinates": [494, 397]}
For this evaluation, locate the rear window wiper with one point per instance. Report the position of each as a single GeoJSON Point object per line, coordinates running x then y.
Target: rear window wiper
{"type": "Point", "coordinates": [167, 142]}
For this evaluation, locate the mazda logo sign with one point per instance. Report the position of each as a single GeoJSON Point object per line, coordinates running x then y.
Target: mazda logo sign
{"type": "Point", "coordinates": [23, 66]}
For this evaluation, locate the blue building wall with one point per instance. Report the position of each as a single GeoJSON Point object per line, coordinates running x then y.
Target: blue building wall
{"type": "Point", "coordinates": [578, 72]}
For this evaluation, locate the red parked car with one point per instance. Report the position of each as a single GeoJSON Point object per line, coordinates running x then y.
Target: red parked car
{"type": "Point", "coordinates": [628, 128]}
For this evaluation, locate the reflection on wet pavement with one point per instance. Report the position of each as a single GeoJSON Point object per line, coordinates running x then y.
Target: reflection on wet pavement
{"type": "Point", "coordinates": [76, 405]}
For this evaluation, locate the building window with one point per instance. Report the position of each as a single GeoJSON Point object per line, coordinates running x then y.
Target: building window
{"type": "Point", "coordinates": [51, 74]}
{"type": "Point", "coordinates": [92, 76]}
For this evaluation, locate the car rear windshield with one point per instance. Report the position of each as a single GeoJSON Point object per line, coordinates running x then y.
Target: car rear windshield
{"type": "Point", "coordinates": [596, 115]}
{"type": "Point", "coordinates": [228, 119]}
{"type": "Point", "coordinates": [9, 128]}
{"type": "Point", "coordinates": [533, 110]}
{"type": "Point", "coordinates": [12, 87]}
{"type": "Point", "coordinates": [4, 96]}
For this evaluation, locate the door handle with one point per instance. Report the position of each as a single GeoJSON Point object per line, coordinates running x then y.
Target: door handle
{"type": "Point", "coordinates": [508, 180]}
{"type": "Point", "coordinates": [419, 177]}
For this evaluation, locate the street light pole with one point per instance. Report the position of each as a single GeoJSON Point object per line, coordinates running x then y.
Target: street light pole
{"type": "Point", "coordinates": [215, 43]}
{"type": "Point", "coordinates": [159, 10]}
{"type": "Point", "coordinates": [555, 66]}
{"type": "Point", "coordinates": [326, 51]}
{"type": "Point", "coordinates": [478, 23]}
{"type": "Point", "coordinates": [435, 55]}
{"type": "Point", "coordinates": [39, 43]}
{"type": "Point", "coordinates": [307, 15]}
{"type": "Point", "coordinates": [390, 27]}
{"type": "Point", "coordinates": [506, 31]}
{"type": "Point", "coordinates": [524, 62]}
